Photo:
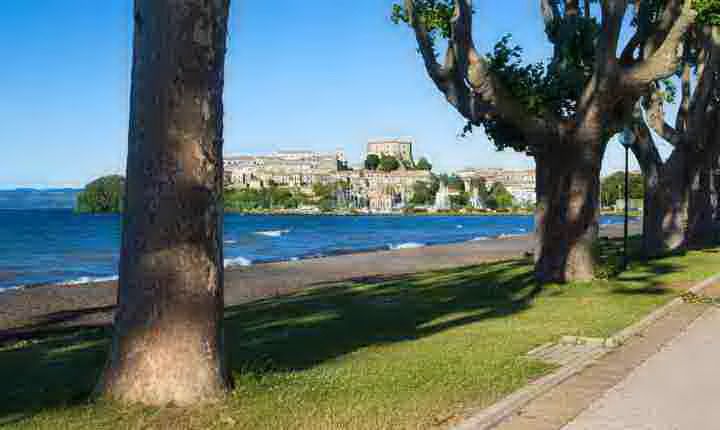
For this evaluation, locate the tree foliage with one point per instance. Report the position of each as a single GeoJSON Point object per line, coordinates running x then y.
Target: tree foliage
{"type": "Point", "coordinates": [548, 88]}
{"type": "Point", "coordinates": [326, 195]}
{"type": "Point", "coordinates": [543, 87]}
{"type": "Point", "coordinates": [436, 15]}
{"type": "Point", "coordinates": [499, 197]}
{"type": "Point", "coordinates": [424, 164]}
{"type": "Point", "coordinates": [423, 193]}
{"type": "Point", "coordinates": [103, 195]}
{"type": "Point", "coordinates": [613, 188]}
{"type": "Point", "coordinates": [452, 181]}
{"type": "Point", "coordinates": [708, 11]}
{"type": "Point", "coordinates": [388, 163]}
{"type": "Point", "coordinates": [562, 111]}
{"type": "Point", "coordinates": [372, 161]}
{"type": "Point", "coordinates": [266, 198]}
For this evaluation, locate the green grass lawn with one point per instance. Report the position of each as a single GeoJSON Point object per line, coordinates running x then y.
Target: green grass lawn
{"type": "Point", "coordinates": [408, 352]}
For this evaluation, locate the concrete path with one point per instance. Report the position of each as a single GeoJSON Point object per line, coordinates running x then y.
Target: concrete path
{"type": "Point", "coordinates": [663, 377]}
{"type": "Point", "coordinates": [676, 389]}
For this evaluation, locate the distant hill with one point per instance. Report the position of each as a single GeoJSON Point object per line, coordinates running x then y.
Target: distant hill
{"type": "Point", "coordinates": [28, 198]}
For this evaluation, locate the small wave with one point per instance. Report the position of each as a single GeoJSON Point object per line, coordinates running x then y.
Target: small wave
{"type": "Point", "coordinates": [88, 280]}
{"type": "Point", "coordinates": [229, 242]}
{"type": "Point", "coordinates": [507, 236]}
{"type": "Point", "coordinates": [409, 245]}
{"type": "Point", "coordinates": [13, 288]}
{"type": "Point", "coordinates": [237, 262]}
{"type": "Point", "coordinates": [480, 239]}
{"type": "Point", "coordinates": [459, 226]}
{"type": "Point", "coordinates": [272, 233]}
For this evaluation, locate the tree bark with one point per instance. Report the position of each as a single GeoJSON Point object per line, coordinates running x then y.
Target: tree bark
{"type": "Point", "coordinates": [568, 188]}
{"type": "Point", "coordinates": [654, 209]}
{"type": "Point", "coordinates": [701, 224]}
{"type": "Point", "coordinates": [168, 342]}
{"type": "Point", "coordinates": [666, 194]}
{"type": "Point", "coordinates": [567, 215]}
{"type": "Point", "coordinates": [668, 207]}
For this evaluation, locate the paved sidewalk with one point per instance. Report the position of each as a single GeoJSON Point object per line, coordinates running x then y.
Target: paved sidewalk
{"type": "Point", "coordinates": [665, 377]}
{"type": "Point", "coordinates": [676, 389]}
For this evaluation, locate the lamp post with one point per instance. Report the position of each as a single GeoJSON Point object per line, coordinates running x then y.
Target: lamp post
{"type": "Point", "coordinates": [626, 140]}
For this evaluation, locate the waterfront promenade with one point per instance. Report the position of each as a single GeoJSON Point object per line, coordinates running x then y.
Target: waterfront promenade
{"type": "Point", "coordinates": [674, 389]}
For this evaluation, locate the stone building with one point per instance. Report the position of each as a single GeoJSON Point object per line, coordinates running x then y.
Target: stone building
{"type": "Point", "coordinates": [382, 191]}
{"type": "Point", "coordinates": [519, 183]}
{"type": "Point", "coordinates": [295, 169]}
{"type": "Point", "coordinates": [398, 148]}
{"type": "Point", "coordinates": [375, 191]}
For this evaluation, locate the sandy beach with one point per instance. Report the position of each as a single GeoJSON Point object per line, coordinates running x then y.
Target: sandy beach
{"type": "Point", "coordinates": [54, 307]}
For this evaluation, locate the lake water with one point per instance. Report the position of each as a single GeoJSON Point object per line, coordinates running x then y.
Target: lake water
{"type": "Point", "coordinates": [40, 246]}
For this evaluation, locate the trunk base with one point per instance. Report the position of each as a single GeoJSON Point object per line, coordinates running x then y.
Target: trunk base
{"type": "Point", "coordinates": [566, 219]}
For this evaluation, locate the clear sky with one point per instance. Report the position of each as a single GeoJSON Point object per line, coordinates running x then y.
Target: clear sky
{"type": "Point", "coordinates": [301, 74]}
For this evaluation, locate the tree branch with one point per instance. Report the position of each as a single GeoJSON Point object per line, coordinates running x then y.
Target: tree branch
{"type": "Point", "coordinates": [708, 67]}
{"type": "Point", "coordinates": [643, 146]}
{"type": "Point", "coordinates": [425, 43]}
{"type": "Point", "coordinates": [549, 11]}
{"type": "Point", "coordinates": [681, 121]}
{"type": "Point", "coordinates": [664, 61]}
{"type": "Point", "coordinates": [627, 57]}
{"type": "Point", "coordinates": [484, 84]}
{"type": "Point", "coordinates": [655, 110]}
{"type": "Point", "coordinates": [448, 78]}
{"type": "Point", "coordinates": [613, 12]}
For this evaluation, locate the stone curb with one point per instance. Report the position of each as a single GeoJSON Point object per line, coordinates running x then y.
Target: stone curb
{"type": "Point", "coordinates": [493, 415]}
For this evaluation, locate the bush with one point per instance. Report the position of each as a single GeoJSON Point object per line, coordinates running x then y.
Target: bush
{"type": "Point", "coordinates": [103, 195]}
{"type": "Point", "coordinates": [423, 164]}
{"type": "Point", "coordinates": [372, 162]}
{"type": "Point", "coordinates": [267, 198]}
{"type": "Point", "coordinates": [388, 163]}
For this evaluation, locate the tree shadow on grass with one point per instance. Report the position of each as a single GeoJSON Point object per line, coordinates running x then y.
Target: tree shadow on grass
{"type": "Point", "coordinates": [56, 371]}
{"type": "Point", "coordinates": [284, 333]}
{"type": "Point", "coordinates": [644, 270]}
{"type": "Point", "coordinates": [302, 330]}
{"type": "Point", "coordinates": [61, 322]}
{"type": "Point", "coordinates": [643, 291]}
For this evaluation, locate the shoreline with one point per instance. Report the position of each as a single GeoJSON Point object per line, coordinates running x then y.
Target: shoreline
{"type": "Point", "coordinates": [231, 264]}
{"type": "Point", "coordinates": [240, 262]}
{"type": "Point", "coordinates": [292, 212]}
{"type": "Point", "coordinates": [50, 308]}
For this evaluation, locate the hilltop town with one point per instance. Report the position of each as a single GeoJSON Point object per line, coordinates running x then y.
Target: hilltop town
{"type": "Point", "coordinates": [388, 180]}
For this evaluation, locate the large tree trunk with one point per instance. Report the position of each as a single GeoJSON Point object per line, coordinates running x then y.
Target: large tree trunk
{"type": "Point", "coordinates": [566, 220]}
{"type": "Point", "coordinates": [665, 204]}
{"type": "Point", "coordinates": [168, 343]}
{"type": "Point", "coordinates": [701, 224]}
{"type": "Point", "coordinates": [654, 208]}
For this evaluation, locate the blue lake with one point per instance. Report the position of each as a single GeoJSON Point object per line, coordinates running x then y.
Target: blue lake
{"type": "Point", "coordinates": [41, 246]}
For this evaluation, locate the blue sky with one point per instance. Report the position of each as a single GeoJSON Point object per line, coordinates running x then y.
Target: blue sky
{"type": "Point", "coordinates": [315, 74]}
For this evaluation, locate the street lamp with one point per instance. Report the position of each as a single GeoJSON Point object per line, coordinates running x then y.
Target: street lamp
{"type": "Point", "coordinates": [626, 139]}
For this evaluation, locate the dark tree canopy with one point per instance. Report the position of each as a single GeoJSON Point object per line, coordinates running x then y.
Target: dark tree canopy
{"type": "Point", "coordinates": [103, 195]}
{"type": "Point", "coordinates": [388, 163]}
{"type": "Point", "coordinates": [372, 162]}
{"type": "Point", "coordinates": [266, 198]}
{"type": "Point", "coordinates": [423, 193]}
{"type": "Point", "coordinates": [613, 188]}
{"type": "Point", "coordinates": [499, 197]}
{"type": "Point", "coordinates": [423, 164]}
